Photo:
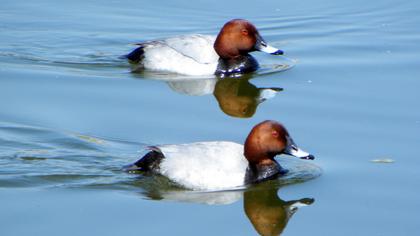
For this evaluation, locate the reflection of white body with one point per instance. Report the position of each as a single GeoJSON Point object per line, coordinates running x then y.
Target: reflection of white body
{"type": "Point", "coordinates": [202, 87]}
{"type": "Point", "coordinates": [210, 198]}
{"type": "Point", "coordinates": [193, 87]}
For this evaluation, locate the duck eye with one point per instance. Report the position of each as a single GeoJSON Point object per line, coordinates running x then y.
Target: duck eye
{"type": "Point", "coordinates": [275, 134]}
{"type": "Point", "coordinates": [245, 32]}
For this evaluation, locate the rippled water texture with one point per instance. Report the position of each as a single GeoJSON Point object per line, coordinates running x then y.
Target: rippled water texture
{"type": "Point", "coordinates": [72, 114]}
{"type": "Point", "coordinates": [38, 157]}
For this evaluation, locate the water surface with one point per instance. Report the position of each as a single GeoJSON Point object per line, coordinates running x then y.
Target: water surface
{"type": "Point", "coordinates": [71, 114]}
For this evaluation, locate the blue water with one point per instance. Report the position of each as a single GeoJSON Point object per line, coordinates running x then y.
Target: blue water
{"type": "Point", "coordinates": [71, 114]}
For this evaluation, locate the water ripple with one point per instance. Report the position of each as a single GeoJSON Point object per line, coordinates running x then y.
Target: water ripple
{"type": "Point", "coordinates": [37, 157]}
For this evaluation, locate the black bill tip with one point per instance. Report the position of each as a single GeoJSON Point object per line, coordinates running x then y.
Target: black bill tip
{"type": "Point", "coordinates": [278, 52]}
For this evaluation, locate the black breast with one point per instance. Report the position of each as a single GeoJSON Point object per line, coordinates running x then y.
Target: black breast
{"type": "Point", "coordinates": [257, 173]}
{"type": "Point", "coordinates": [236, 66]}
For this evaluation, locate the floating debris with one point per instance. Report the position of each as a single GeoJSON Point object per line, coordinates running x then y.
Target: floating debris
{"type": "Point", "coordinates": [32, 158]}
{"type": "Point", "coordinates": [384, 160]}
{"type": "Point", "coordinates": [91, 139]}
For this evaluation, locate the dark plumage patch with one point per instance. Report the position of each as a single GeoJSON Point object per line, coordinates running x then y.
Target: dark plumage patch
{"type": "Point", "coordinates": [256, 173]}
{"type": "Point", "coordinates": [149, 162]}
{"type": "Point", "coordinates": [236, 66]}
{"type": "Point", "coordinates": [136, 55]}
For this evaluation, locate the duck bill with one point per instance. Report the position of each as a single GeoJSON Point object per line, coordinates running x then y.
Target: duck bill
{"type": "Point", "coordinates": [261, 45]}
{"type": "Point", "coordinates": [297, 152]}
{"type": "Point", "coordinates": [293, 150]}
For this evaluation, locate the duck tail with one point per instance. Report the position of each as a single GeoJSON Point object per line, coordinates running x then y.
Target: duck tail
{"type": "Point", "coordinates": [149, 162]}
{"type": "Point", "coordinates": [136, 55]}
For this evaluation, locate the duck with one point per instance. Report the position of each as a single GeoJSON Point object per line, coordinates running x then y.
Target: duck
{"type": "Point", "coordinates": [226, 54]}
{"type": "Point", "coordinates": [223, 165]}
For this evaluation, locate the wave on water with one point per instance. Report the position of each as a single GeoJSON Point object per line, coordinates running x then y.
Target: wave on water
{"type": "Point", "coordinates": [38, 157]}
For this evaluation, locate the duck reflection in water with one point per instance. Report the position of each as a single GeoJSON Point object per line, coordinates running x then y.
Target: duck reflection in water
{"type": "Point", "coordinates": [237, 97]}
{"type": "Point", "coordinates": [267, 212]}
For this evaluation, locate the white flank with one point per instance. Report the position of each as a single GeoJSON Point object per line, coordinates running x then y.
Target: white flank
{"type": "Point", "coordinates": [205, 165]}
{"type": "Point", "coordinates": [188, 55]}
